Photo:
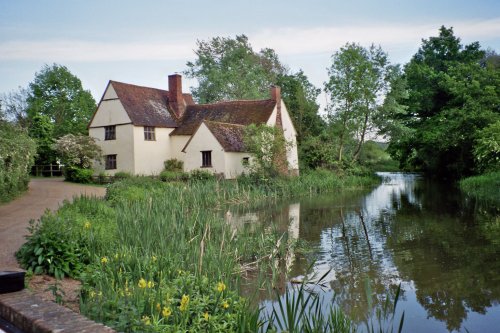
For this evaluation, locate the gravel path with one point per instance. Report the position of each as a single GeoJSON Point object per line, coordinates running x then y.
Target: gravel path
{"type": "Point", "coordinates": [43, 193]}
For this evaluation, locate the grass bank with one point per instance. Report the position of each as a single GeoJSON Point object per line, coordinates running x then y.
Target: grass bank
{"type": "Point", "coordinates": [157, 257]}
{"type": "Point", "coordinates": [485, 187]}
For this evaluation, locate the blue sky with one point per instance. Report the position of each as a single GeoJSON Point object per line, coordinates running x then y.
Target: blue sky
{"type": "Point", "coordinates": [142, 42]}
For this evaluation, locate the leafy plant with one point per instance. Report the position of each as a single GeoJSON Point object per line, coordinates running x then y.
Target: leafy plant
{"type": "Point", "coordinates": [174, 165]}
{"type": "Point", "coordinates": [78, 175]}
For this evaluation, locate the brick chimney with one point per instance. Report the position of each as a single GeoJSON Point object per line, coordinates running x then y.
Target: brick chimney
{"type": "Point", "coordinates": [175, 99]}
{"type": "Point", "coordinates": [276, 96]}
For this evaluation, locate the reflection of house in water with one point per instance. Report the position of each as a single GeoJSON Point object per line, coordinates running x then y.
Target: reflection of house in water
{"type": "Point", "coordinates": [287, 218]}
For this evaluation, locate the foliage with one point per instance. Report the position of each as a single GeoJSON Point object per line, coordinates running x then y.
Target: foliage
{"type": "Point", "coordinates": [57, 94]}
{"type": "Point", "coordinates": [358, 80]}
{"type": "Point", "coordinates": [13, 106]}
{"type": "Point", "coordinates": [17, 151]}
{"type": "Point", "coordinates": [228, 68]}
{"type": "Point", "coordinates": [148, 245]}
{"type": "Point", "coordinates": [174, 165]}
{"type": "Point", "coordinates": [300, 96]}
{"type": "Point", "coordinates": [374, 156]}
{"type": "Point", "coordinates": [122, 175]}
{"type": "Point", "coordinates": [268, 146]}
{"type": "Point", "coordinates": [198, 174]}
{"type": "Point", "coordinates": [173, 176]}
{"type": "Point", "coordinates": [485, 186]}
{"type": "Point", "coordinates": [41, 130]}
{"type": "Point", "coordinates": [59, 244]}
{"type": "Point", "coordinates": [78, 175]}
{"type": "Point", "coordinates": [487, 148]}
{"type": "Point", "coordinates": [78, 150]}
{"type": "Point", "coordinates": [453, 95]}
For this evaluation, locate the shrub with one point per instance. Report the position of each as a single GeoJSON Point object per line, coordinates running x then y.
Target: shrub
{"type": "Point", "coordinates": [172, 176]}
{"type": "Point", "coordinates": [78, 175]}
{"type": "Point", "coordinates": [173, 165]}
{"type": "Point", "coordinates": [200, 175]}
{"type": "Point", "coordinates": [122, 175]}
{"type": "Point", "coordinates": [17, 152]}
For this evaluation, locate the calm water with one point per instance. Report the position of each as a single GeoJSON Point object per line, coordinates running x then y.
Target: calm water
{"type": "Point", "coordinates": [443, 248]}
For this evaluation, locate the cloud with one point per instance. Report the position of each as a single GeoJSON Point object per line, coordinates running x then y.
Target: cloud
{"type": "Point", "coordinates": [286, 42]}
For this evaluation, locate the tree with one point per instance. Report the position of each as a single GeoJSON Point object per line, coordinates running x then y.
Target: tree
{"type": "Point", "coordinates": [487, 148]}
{"type": "Point", "coordinates": [77, 151]}
{"type": "Point", "coordinates": [58, 95]}
{"type": "Point", "coordinates": [268, 146]}
{"type": "Point", "coordinates": [13, 106]}
{"type": "Point", "coordinates": [229, 68]}
{"type": "Point", "coordinates": [452, 94]}
{"type": "Point", "coordinates": [359, 79]}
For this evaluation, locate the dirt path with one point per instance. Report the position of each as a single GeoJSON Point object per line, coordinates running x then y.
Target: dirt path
{"type": "Point", "coordinates": [43, 193]}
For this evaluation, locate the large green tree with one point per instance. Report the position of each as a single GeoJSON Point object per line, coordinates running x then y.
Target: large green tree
{"type": "Point", "coordinates": [358, 80]}
{"type": "Point", "coordinates": [228, 68]}
{"type": "Point", "coordinates": [453, 93]}
{"type": "Point", "coordinates": [58, 94]}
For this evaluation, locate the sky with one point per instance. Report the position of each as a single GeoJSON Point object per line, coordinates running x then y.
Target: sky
{"type": "Point", "coordinates": [142, 42]}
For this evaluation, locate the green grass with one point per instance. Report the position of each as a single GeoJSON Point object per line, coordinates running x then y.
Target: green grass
{"type": "Point", "coordinates": [485, 187]}
{"type": "Point", "coordinates": [153, 256]}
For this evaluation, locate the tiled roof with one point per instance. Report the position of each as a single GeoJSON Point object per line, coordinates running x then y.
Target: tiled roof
{"type": "Point", "coordinates": [233, 112]}
{"type": "Point", "coordinates": [230, 136]}
{"type": "Point", "coordinates": [147, 106]}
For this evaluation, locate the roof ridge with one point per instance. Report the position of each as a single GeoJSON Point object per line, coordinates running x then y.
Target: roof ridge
{"type": "Point", "coordinates": [235, 101]}
{"type": "Point", "coordinates": [222, 123]}
{"type": "Point", "coordinates": [138, 86]}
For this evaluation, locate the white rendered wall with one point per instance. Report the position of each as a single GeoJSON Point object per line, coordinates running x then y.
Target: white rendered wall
{"type": "Point", "coordinates": [290, 136]}
{"type": "Point", "coordinates": [123, 147]}
{"type": "Point", "coordinates": [110, 112]}
{"type": "Point", "coordinates": [150, 155]}
{"type": "Point", "coordinates": [204, 140]}
{"type": "Point", "coordinates": [234, 164]}
{"type": "Point", "coordinates": [177, 144]}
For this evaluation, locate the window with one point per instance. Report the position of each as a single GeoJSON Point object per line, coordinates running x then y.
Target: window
{"type": "Point", "coordinates": [206, 159]}
{"type": "Point", "coordinates": [110, 162]}
{"type": "Point", "coordinates": [245, 161]}
{"type": "Point", "coordinates": [110, 132]}
{"type": "Point", "coordinates": [149, 133]}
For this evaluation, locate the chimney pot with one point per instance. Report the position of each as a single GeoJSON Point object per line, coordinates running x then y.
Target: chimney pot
{"type": "Point", "coordinates": [276, 93]}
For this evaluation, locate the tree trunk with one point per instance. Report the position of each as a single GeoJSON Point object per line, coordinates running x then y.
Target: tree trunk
{"type": "Point", "coordinates": [363, 133]}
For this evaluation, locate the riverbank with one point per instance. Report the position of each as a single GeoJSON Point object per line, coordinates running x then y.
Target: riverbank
{"type": "Point", "coordinates": [485, 187]}
{"type": "Point", "coordinates": [156, 256]}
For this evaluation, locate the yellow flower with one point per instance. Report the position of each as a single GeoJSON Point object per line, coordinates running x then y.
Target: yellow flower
{"type": "Point", "coordinates": [142, 283]}
{"type": "Point", "coordinates": [154, 258]}
{"type": "Point", "coordinates": [151, 284]}
{"type": "Point", "coordinates": [99, 294]}
{"type": "Point", "coordinates": [206, 315]}
{"type": "Point", "coordinates": [104, 260]}
{"type": "Point", "coordinates": [225, 305]}
{"type": "Point", "coordinates": [87, 225]}
{"type": "Point", "coordinates": [221, 287]}
{"type": "Point", "coordinates": [92, 294]}
{"type": "Point", "coordinates": [146, 320]}
{"type": "Point", "coordinates": [158, 307]}
{"type": "Point", "coordinates": [184, 303]}
{"type": "Point", "coordinates": [166, 312]}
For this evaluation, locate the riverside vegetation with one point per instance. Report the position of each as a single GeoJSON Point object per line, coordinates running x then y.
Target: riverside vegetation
{"type": "Point", "coordinates": [158, 257]}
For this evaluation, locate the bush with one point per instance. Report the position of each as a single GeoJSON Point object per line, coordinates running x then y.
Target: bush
{"type": "Point", "coordinates": [173, 165]}
{"type": "Point", "coordinates": [78, 175]}
{"type": "Point", "coordinates": [172, 176]}
{"type": "Point", "coordinates": [17, 152]}
{"type": "Point", "coordinates": [122, 175]}
{"type": "Point", "coordinates": [201, 175]}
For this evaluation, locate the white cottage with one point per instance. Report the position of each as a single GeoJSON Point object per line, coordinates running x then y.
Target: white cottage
{"type": "Point", "coordinates": [138, 128]}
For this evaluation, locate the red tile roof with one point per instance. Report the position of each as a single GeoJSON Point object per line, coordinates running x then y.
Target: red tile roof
{"type": "Point", "coordinates": [233, 112]}
{"type": "Point", "coordinates": [230, 136]}
{"type": "Point", "coordinates": [147, 106]}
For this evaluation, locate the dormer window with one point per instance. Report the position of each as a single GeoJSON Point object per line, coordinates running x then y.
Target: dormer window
{"type": "Point", "coordinates": [149, 133]}
{"type": "Point", "coordinates": [110, 132]}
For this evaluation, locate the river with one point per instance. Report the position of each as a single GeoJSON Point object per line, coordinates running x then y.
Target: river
{"type": "Point", "coordinates": [441, 247]}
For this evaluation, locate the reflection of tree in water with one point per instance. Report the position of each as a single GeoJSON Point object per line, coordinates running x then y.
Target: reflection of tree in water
{"type": "Point", "coordinates": [357, 258]}
{"type": "Point", "coordinates": [449, 252]}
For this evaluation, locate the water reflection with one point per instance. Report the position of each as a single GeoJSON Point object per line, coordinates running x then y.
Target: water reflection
{"type": "Point", "coordinates": [443, 248]}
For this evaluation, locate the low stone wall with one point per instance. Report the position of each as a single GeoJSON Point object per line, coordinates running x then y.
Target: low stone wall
{"type": "Point", "coordinates": [31, 314]}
